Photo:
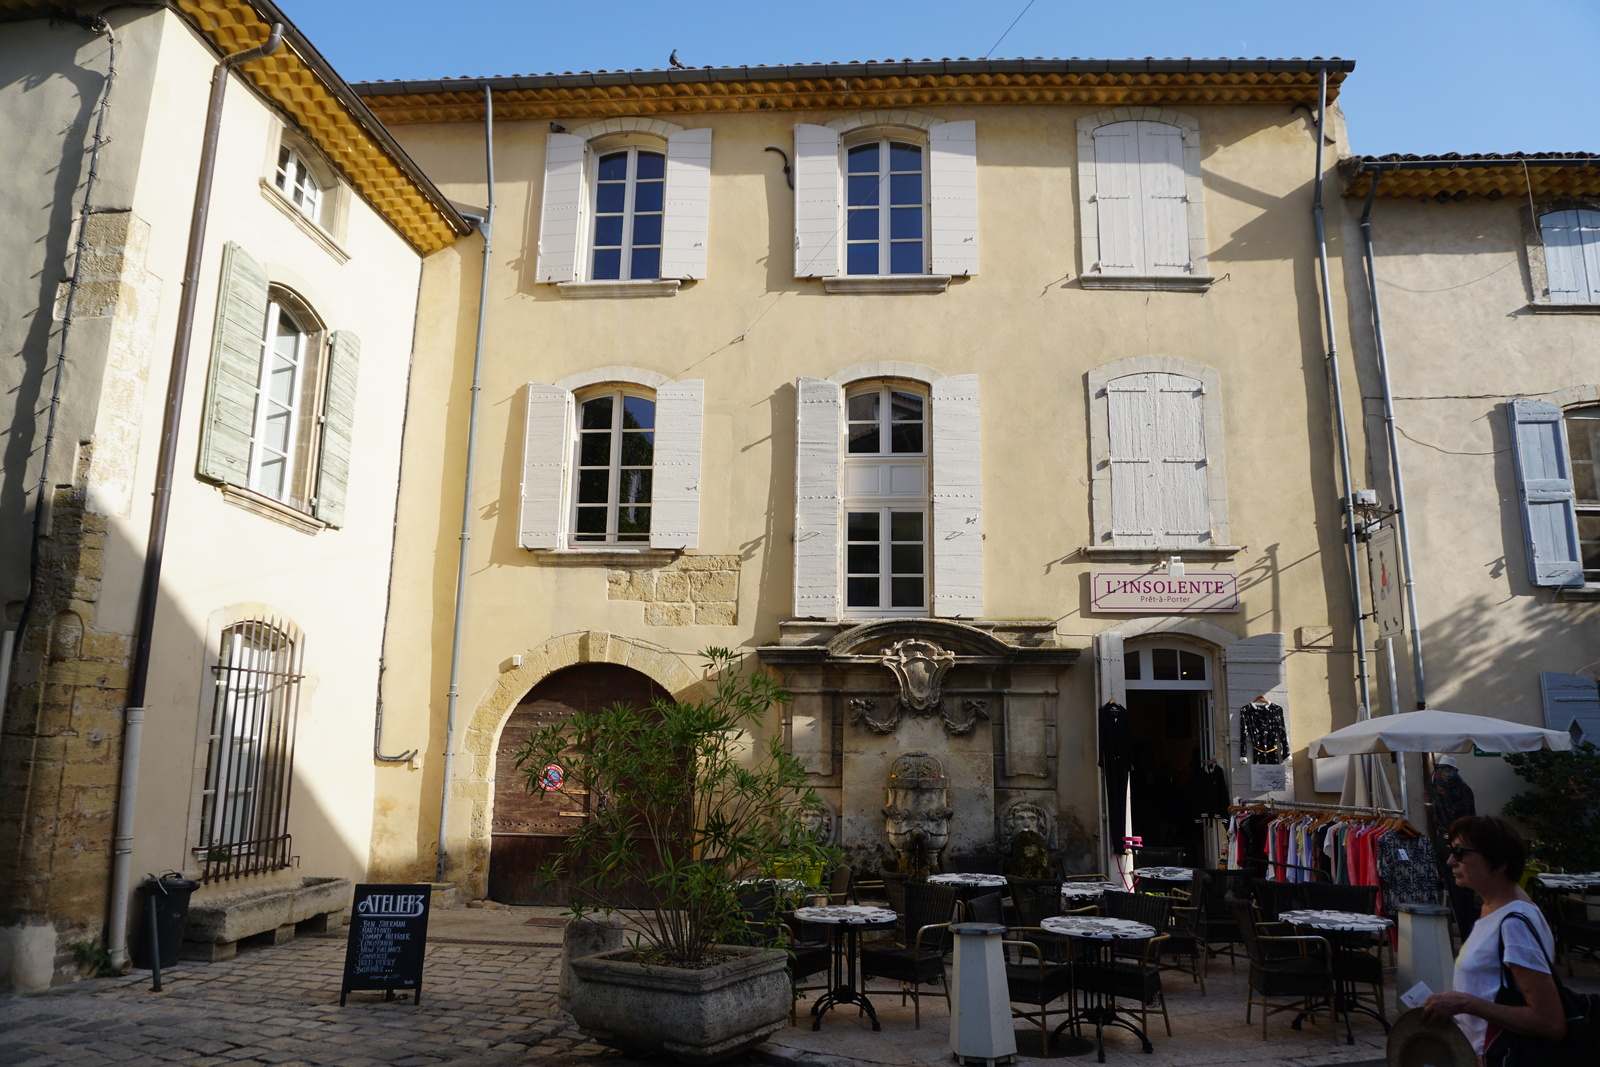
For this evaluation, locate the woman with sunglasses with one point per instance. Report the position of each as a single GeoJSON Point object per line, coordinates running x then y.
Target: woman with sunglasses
{"type": "Point", "coordinates": [1487, 855]}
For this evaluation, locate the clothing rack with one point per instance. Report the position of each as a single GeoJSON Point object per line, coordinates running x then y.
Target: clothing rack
{"type": "Point", "coordinates": [1306, 805]}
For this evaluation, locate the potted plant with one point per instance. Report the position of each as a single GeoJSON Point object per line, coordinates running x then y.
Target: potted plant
{"type": "Point", "coordinates": [683, 806]}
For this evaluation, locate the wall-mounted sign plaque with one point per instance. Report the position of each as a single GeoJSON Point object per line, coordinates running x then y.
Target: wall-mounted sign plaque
{"type": "Point", "coordinates": [388, 940]}
{"type": "Point", "coordinates": [1157, 593]}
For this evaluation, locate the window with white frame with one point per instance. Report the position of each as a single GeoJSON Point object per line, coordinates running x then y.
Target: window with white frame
{"type": "Point", "coordinates": [885, 195]}
{"type": "Point", "coordinates": [1142, 221]}
{"type": "Point", "coordinates": [1157, 479]}
{"type": "Point", "coordinates": [1583, 442]}
{"type": "Point", "coordinates": [299, 185]}
{"type": "Point", "coordinates": [611, 463]}
{"type": "Point", "coordinates": [625, 200]}
{"type": "Point", "coordinates": [276, 440]}
{"type": "Point", "coordinates": [613, 468]}
{"type": "Point", "coordinates": [1571, 244]}
{"type": "Point", "coordinates": [888, 497]}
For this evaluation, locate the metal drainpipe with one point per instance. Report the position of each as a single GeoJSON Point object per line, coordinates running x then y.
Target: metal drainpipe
{"type": "Point", "coordinates": [150, 586]}
{"type": "Point", "coordinates": [1392, 433]}
{"type": "Point", "coordinates": [485, 227]}
{"type": "Point", "coordinates": [1363, 711]}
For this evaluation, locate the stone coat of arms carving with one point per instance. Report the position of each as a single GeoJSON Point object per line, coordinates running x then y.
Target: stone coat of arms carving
{"type": "Point", "coordinates": [919, 667]}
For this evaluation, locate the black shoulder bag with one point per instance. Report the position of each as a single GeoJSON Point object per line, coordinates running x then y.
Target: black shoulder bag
{"type": "Point", "coordinates": [1580, 1048]}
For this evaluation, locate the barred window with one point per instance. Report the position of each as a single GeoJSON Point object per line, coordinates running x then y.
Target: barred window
{"type": "Point", "coordinates": [245, 820]}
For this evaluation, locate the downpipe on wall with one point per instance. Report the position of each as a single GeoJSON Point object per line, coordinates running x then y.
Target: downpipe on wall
{"type": "Point", "coordinates": [150, 585]}
{"type": "Point", "coordinates": [485, 226]}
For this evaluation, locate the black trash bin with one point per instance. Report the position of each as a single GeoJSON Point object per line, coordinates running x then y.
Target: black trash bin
{"type": "Point", "coordinates": [171, 893]}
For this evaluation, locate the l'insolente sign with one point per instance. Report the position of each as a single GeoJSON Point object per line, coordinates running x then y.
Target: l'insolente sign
{"type": "Point", "coordinates": [1153, 592]}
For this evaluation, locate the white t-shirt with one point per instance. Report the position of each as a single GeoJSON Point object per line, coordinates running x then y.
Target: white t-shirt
{"type": "Point", "coordinates": [1478, 964]}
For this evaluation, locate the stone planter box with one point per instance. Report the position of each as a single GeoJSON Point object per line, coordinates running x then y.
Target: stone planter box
{"type": "Point", "coordinates": [699, 1016]}
{"type": "Point", "coordinates": [275, 914]}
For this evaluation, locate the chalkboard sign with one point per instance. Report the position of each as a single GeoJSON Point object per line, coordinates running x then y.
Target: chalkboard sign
{"type": "Point", "coordinates": [388, 940]}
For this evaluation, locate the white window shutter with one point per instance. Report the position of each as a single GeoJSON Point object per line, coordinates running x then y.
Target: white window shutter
{"type": "Point", "coordinates": [957, 545]}
{"type": "Point", "coordinates": [1589, 244]}
{"type": "Point", "coordinates": [1572, 255]}
{"type": "Point", "coordinates": [1182, 481]}
{"type": "Point", "coordinates": [953, 182]}
{"type": "Point", "coordinates": [1544, 482]}
{"type": "Point", "coordinates": [562, 213]}
{"type": "Point", "coordinates": [546, 442]}
{"type": "Point", "coordinates": [675, 497]}
{"type": "Point", "coordinates": [683, 237]}
{"type": "Point", "coordinates": [1117, 198]}
{"type": "Point", "coordinates": [816, 201]}
{"type": "Point", "coordinates": [1130, 422]}
{"type": "Point", "coordinates": [1165, 208]}
{"type": "Point", "coordinates": [1111, 682]}
{"type": "Point", "coordinates": [819, 439]}
{"type": "Point", "coordinates": [1572, 705]}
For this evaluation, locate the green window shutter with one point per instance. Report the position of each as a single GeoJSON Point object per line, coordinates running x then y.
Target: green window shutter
{"type": "Point", "coordinates": [338, 427]}
{"type": "Point", "coordinates": [235, 369]}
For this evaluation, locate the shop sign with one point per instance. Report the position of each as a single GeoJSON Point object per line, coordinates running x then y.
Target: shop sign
{"type": "Point", "coordinates": [1155, 592]}
{"type": "Point", "coordinates": [388, 940]}
{"type": "Point", "coordinates": [1383, 572]}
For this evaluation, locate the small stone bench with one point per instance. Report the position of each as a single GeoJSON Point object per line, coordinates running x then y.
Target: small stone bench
{"type": "Point", "coordinates": [269, 915]}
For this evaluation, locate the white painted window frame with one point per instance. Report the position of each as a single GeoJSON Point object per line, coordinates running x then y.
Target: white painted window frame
{"type": "Point", "coordinates": [305, 394]}
{"type": "Point", "coordinates": [294, 178]}
{"type": "Point", "coordinates": [1198, 277]}
{"type": "Point", "coordinates": [1539, 297]}
{"type": "Point", "coordinates": [887, 505]}
{"type": "Point", "coordinates": [884, 139]}
{"type": "Point", "coordinates": [632, 148]}
{"type": "Point", "coordinates": [613, 506]}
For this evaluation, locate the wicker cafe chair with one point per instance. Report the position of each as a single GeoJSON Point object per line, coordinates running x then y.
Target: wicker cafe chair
{"type": "Point", "coordinates": [1219, 930]}
{"type": "Point", "coordinates": [987, 908]}
{"type": "Point", "coordinates": [1034, 901]}
{"type": "Point", "coordinates": [1298, 967]}
{"type": "Point", "coordinates": [1575, 930]}
{"type": "Point", "coordinates": [1354, 961]}
{"type": "Point", "coordinates": [977, 863]}
{"type": "Point", "coordinates": [1159, 856]}
{"type": "Point", "coordinates": [1183, 950]}
{"type": "Point", "coordinates": [1135, 974]}
{"type": "Point", "coordinates": [1032, 981]}
{"type": "Point", "coordinates": [919, 959]}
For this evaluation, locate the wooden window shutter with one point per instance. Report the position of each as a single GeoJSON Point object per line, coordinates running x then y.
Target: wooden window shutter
{"type": "Point", "coordinates": [1572, 255]}
{"type": "Point", "coordinates": [957, 543]}
{"type": "Point", "coordinates": [541, 521]}
{"type": "Point", "coordinates": [338, 427]}
{"type": "Point", "coordinates": [683, 238]}
{"type": "Point", "coordinates": [1572, 705]}
{"type": "Point", "coordinates": [675, 499]}
{"type": "Point", "coordinates": [1110, 681]}
{"type": "Point", "coordinates": [561, 215]}
{"type": "Point", "coordinates": [1117, 199]}
{"type": "Point", "coordinates": [1182, 481]}
{"type": "Point", "coordinates": [1165, 204]}
{"type": "Point", "coordinates": [1544, 483]}
{"type": "Point", "coordinates": [953, 181]}
{"type": "Point", "coordinates": [1130, 422]}
{"type": "Point", "coordinates": [816, 202]}
{"type": "Point", "coordinates": [235, 369]}
{"type": "Point", "coordinates": [819, 438]}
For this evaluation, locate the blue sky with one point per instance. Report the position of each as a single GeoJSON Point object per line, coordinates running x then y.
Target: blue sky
{"type": "Point", "coordinates": [1432, 76]}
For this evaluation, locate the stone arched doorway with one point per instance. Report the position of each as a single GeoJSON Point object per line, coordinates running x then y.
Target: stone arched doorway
{"type": "Point", "coordinates": [528, 828]}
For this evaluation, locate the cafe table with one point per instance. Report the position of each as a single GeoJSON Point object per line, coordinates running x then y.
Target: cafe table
{"type": "Point", "coordinates": [1587, 880]}
{"type": "Point", "coordinates": [1078, 894]}
{"type": "Point", "coordinates": [1350, 930]}
{"type": "Point", "coordinates": [1098, 973]}
{"type": "Point", "coordinates": [1169, 877]}
{"type": "Point", "coordinates": [845, 922]}
{"type": "Point", "coordinates": [968, 886]}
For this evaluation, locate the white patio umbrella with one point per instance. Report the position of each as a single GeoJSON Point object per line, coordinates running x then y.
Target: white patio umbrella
{"type": "Point", "coordinates": [1437, 731]}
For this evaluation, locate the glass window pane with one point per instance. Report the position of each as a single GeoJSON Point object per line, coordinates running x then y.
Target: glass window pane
{"type": "Point", "coordinates": [1164, 664]}
{"type": "Point", "coordinates": [592, 520]}
{"type": "Point", "coordinates": [607, 263]}
{"type": "Point", "coordinates": [1583, 439]}
{"type": "Point", "coordinates": [646, 263]}
{"type": "Point", "coordinates": [864, 438]}
{"type": "Point", "coordinates": [904, 406]}
{"type": "Point", "coordinates": [861, 526]}
{"type": "Point", "coordinates": [1192, 666]}
{"type": "Point", "coordinates": [597, 413]}
{"type": "Point", "coordinates": [863, 406]}
{"type": "Point", "coordinates": [1589, 545]}
{"type": "Point", "coordinates": [651, 165]}
{"type": "Point", "coordinates": [904, 156]}
{"type": "Point", "coordinates": [647, 196]}
{"type": "Point", "coordinates": [862, 559]}
{"type": "Point", "coordinates": [271, 477]}
{"type": "Point", "coordinates": [594, 486]}
{"type": "Point", "coordinates": [864, 159]}
{"type": "Point", "coordinates": [608, 230]}
{"type": "Point", "coordinates": [280, 383]}
{"type": "Point", "coordinates": [905, 559]}
{"type": "Point", "coordinates": [613, 167]}
{"type": "Point", "coordinates": [1130, 666]}
{"type": "Point", "coordinates": [608, 197]}
{"type": "Point", "coordinates": [861, 592]}
{"type": "Point", "coordinates": [905, 526]}
{"type": "Point", "coordinates": [638, 413]}
{"type": "Point", "coordinates": [905, 592]}
{"type": "Point", "coordinates": [905, 222]}
{"type": "Point", "coordinates": [905, 258]}
{"type": "Point", "coordinates": [638, 449]}
{"type": "Point", "coordinates": [863, 225]}
{"type": "Point", "coordinates": [647, 230]}
{"type": "Point", "coordinates": [862, 191]}
{"type": "Point", "coordinates": [905, 189]}
{"type": "Point", "coordinates": [862, 259]}
{"type": "Point", "coordinates": [905, 438]}
{"type": "Point", "coordinates": [633, 487]}
{"type": "Point", "coordinates": [594, 450]}
{"type": "Point", "coordinates": [276, 434]}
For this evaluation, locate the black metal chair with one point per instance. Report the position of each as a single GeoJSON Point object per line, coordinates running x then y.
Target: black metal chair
{"type": "Point", "coordinates": [1135, 975]}
{"type": "Point", "coordinates": [919, 959]}
{"type": "Point", "coordinates": [1298, 967]}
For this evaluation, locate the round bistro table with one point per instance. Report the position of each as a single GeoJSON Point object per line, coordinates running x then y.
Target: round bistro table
{"type": "Point", "coordinates": [1587, 880]}
{"type": "Point", "coordinates": [1355, 925]}
{"type": "Point", "coordinates": [969, 886]}
{"type": "Point", "coordinates": [1167, 876]}
{"type": "Point", "coordinates": [844, 923]}
{"type": "Point", "coordinates": [1075, 894]}
{"type": "Point", "coordinates": [1101, 1003]}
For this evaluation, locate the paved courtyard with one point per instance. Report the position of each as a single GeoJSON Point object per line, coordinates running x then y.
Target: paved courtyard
{"type": "Point", "coordinates": [489, 998]}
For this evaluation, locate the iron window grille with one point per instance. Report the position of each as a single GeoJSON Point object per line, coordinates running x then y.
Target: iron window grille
{"type": "Point", "coordinates": [245, 817]}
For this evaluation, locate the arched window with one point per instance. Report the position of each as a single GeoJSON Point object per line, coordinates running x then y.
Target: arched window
{"type": "Point", "coordinates": [275, 441]}
{"type": "Point", "coordinates": [629, 200]}
{"type": "Point", "coordinates": [886, 500]}
{"type": "Point", "coordinates": [614, 468]}
{"type": "Point", "coordinates": [886, 198]}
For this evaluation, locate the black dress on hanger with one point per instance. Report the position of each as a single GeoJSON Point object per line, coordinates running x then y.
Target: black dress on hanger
{"type": "Point", "coordinates": [1116, 761]}
{"type": "Point", "coordinates": [1262, 736]}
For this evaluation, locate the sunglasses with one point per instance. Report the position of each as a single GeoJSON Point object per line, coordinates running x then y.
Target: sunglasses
{"type": "Point", "coordinates": [1458, 853]}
